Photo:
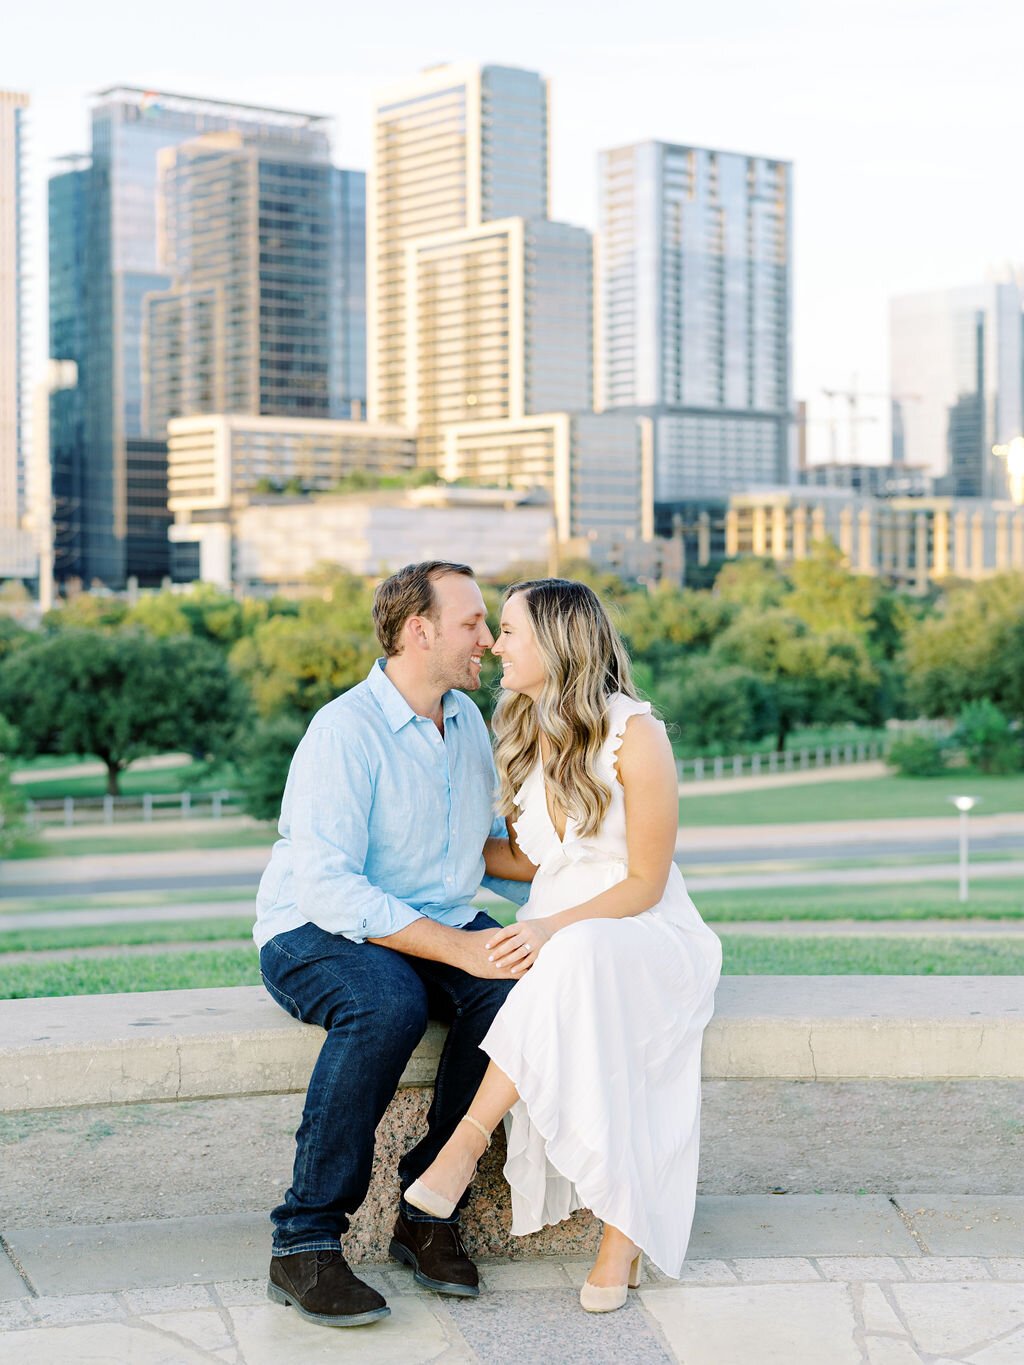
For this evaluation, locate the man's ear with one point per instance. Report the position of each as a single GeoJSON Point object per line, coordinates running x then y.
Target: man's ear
{"type": "Point", "coordinates": [419, 632]}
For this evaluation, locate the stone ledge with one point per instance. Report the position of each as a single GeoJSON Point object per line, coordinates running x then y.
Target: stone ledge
{"type": "Point", "coordinates": [166, 1045]}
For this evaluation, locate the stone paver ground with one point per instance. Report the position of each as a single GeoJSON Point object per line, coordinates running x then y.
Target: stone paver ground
{"type": "Point", "coordinates": [925, 1278]}
{"type": "Point", "coordinates": [869, 1310]}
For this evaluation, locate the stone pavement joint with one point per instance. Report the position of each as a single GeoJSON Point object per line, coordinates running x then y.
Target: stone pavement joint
{"type": "Point", "coordinates": [774, 1310]}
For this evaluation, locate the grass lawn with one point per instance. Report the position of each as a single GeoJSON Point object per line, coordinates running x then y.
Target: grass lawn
{"type": "Point", "coordinates": [1000, 898]}
{"type": "Point", "coordinates": [744, 956]}
{"type": "Point", "coordinates": [193, 777]}
{"type": "Point", "coordinates": [154, 838]}
{"type": "Point", "coordinates": [880, 798]}
{"type": "Point", "coordinates": [751, 956]}
{"type": "Point", "coordinates": [121, 935]}
{"type": "Point", "coordinates": [142, 972]}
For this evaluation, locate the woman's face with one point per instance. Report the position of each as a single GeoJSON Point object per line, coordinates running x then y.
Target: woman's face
{"type": "Point", "coordinates": [516, 646]}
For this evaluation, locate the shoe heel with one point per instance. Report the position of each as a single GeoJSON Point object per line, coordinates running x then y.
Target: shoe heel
{"type": "Point", "coordinates": [635, 1270]}
{"type": "Point", "coordinates": [429, 1202]}
{"type": "Point", "coordinates": [276, 1295]}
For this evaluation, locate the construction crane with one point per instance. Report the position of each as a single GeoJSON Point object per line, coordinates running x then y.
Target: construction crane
{"type": "Point", "coordinates": [853, 395]}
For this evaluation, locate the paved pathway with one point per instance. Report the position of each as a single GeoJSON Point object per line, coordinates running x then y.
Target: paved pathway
{"type": "Point", "coordinates": [93, 768]}
{"type": "Point", "coordinates": [834, 1280]}
{"type": "Point", "coordinates": [799, 777]}
{"type": "Point", "coordinates": [858, 876]}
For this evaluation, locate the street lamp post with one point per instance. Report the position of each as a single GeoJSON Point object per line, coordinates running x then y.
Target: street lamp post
{"type": "Point", "coordinates": [964, 804]}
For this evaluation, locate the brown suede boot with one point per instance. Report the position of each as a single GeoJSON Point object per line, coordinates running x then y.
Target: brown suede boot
{"type": "Point", "coordinates": [321, 1287]}
{"type": "Point", "coordinates": [437, 1255]}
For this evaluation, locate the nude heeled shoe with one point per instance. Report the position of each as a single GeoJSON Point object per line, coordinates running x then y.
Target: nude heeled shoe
{"type": "Point", "coordinates": [425, 1199]}
{"type": "Point", "coordinates": [597, 1298]}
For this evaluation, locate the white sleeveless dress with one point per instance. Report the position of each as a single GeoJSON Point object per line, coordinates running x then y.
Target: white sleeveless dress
{"type": "Point", "coordinates": [602, 1036]}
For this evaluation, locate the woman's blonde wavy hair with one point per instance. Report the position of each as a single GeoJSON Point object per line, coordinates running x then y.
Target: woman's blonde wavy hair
{"type": "Point", "coordinates": [584, 663]}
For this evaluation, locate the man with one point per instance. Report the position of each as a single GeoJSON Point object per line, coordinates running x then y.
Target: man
{"type": "Point", "coordinates": [366, 927]}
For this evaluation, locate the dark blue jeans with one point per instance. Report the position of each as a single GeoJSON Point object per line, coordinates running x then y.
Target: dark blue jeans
{"type": "Point", "coordinates": [374, 1004]}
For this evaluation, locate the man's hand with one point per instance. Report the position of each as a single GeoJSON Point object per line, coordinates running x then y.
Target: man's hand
{"type": "Point", "coordinates": [515, 948]}
{"type": "Point", "coordinates": [478, 959]}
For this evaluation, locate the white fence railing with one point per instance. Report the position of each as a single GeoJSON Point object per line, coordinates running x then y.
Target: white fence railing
{"type": "Point", "coordinates": [70, 811]}
{"type": "Point", "coordinates": [789, 761]}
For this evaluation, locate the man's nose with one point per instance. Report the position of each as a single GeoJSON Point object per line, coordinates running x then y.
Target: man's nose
{"type": "Point", "coordinates": [486, 638]}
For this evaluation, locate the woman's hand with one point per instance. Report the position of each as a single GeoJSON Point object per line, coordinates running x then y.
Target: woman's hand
{"type": "Point", "coordinates": [516, 947]}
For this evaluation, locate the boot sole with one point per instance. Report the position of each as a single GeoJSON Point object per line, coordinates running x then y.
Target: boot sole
{"type": "Point", "coordinates": [278, 1295]}
{"type": "Point", "coordinates": [407, 1257]}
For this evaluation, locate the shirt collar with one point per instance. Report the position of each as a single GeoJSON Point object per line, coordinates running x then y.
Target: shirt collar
{"type": "Point", "coordinates": [397, 711]}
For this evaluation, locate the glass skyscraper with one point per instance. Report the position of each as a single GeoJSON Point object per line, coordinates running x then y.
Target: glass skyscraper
{"type": "Point", "coordinates": [957, 366]}
{"type": "Point", "coordinates": [348, 321]}
{"type": "Point", "coordinates": [694, 311]}
{"type": "Point", "coordinates": [68, 199]}
{"type": "Point", "coordinates": [117, 218]}
{"type": "Point", "coordinates": [249, 323]}
{"type": "Point", "coordinates": [13, 395]}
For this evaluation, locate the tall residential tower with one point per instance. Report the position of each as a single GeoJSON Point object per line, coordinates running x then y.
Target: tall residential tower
{"type": "Point", "coordinates": [694, 311]}
{"type": "Point", "coordinates": [480, 306]}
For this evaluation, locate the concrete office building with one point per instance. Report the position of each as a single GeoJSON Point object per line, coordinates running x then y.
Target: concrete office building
{"type": "Point", "coordinates": [107, 209]}
{"type": "Point", "coordinates": [914, 542]}
{"type": "Point", "coordinates": [218, 463]}
{"type": "Point", "coordinates": [13, 394]}
{"type": "Point", "coordinates": [960, 354]}
{"type": "Point", "coordinates": [277, 543]}
{"type": "Point", "coordinates": [596, 468]}
{"type": "Point", "coordinates": [694, 311]}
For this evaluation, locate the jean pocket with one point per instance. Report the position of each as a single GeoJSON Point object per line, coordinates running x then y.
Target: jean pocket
{"type": "Point", "coordinates": [281, 998]}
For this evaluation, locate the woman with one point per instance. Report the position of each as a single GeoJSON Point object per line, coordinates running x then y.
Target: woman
{"type": "Point", "coordinates": [596, 1052]}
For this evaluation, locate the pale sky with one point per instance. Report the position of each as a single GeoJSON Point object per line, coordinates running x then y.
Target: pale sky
{"type": "Point", "coordinates": [902, 117]}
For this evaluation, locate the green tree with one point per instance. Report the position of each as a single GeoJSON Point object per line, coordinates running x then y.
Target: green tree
{"type": "Point", "coordinates": [120, 696]}
{"type": "Point", "coordinates": [752, 582]}
{"type": "Point", "coordinates": [826, 596]}
{"type": "Point", "coordinates": [12, 806]}
{"type": "Point", "coordinates": [87, 611]}
{"type": "Point", "coordinates": [159, 614]}
{"type": "Point", "coordinates": [659, 626]}
{"type": "Point", "coordinates": [714, 707]}
{"type": "Point", "coordinates": [972, 650]}
{"type": "Point", "coordinates": [12, 636]}
{"type": "Point", "coordinates": [827, 679]}
{"type": "Point", "coordinates": [295, 665]}
{"type": "Point", "coordinates": [263, 757]}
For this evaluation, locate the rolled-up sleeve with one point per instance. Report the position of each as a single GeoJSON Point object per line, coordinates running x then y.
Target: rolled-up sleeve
{"type": "Point", "coordinates": [331, 796]}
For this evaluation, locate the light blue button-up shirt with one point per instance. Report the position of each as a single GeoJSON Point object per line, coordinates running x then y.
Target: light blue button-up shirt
{"type": "Point", "coordinates": [383, 820]}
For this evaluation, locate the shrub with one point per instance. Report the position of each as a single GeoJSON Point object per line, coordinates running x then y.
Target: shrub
{"type": "Point", "coordinates": [918, 756]}
{"type": "Point", "coordinates": [987, 738]}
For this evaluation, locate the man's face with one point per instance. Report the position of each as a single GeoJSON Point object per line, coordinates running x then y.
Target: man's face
{"type": "Point", "coordinates": [460, 634]}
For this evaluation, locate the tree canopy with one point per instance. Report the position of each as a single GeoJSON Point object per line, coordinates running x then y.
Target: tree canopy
{"type": "Point", "coordinates": [119, 696]}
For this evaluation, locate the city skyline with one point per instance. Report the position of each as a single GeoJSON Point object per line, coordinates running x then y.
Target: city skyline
{"type": "Point", "coordinates": [896, 124]}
